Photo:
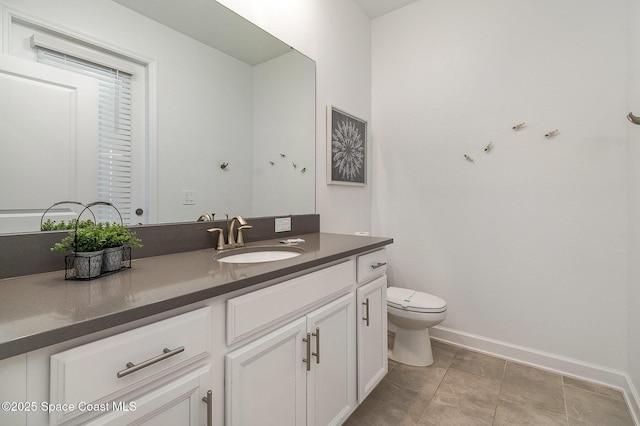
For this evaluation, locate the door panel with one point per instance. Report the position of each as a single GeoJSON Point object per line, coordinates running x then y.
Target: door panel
{"type": "Point", "coordinates": [48, 138]}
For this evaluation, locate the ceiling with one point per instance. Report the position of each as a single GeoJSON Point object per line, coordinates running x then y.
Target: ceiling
{"type": "Point", "coordinates": [375, 8]}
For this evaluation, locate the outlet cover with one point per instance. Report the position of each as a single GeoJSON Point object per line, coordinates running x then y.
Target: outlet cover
{"type": "Point", "coordinates": [283, 224]}
{"type": "Point", "coordinates": [188, 197]}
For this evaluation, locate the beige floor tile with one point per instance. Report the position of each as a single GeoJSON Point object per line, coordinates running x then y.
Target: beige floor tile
{"type": "Point", "coordinates": [463, 399]}
{"type": "Point", "coordinates": [389, 404]}
{"type": "Point", "coordinates": [465, 388]}
{"type": "Point", "coordinates": [593, 387]}
{"type": "Point", "coordinates": [424, 380]}
{"type": "Point", "coordinates": [530, 386]}
{"type": "Point", "coordinates": [480, 364]}
{"type": "Point", "coordinates": [588, 408]}
{"type": "Point", "coordinates": [516, 414]}
{"type": "Point", "coordinates": [445, 346]}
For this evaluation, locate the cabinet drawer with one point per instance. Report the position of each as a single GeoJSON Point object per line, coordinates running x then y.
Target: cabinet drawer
{"type": "Point", "coordinates": [250, 313]}
{"type": "Point", "coordinates": [108, 369]}
{"type": "Point", "coordinates": [372, 265]}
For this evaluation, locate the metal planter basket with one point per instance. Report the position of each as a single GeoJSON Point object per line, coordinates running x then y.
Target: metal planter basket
{"type": "Point", "coordinates": [92, 265]}
{"type": "Point", "coordinates": [89, 266]}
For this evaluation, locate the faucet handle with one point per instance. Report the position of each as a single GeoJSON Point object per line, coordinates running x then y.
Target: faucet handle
{"type": "Point", "coordinates": [240, 240]}
{"type": "Point", "coordinates": [220, 237]}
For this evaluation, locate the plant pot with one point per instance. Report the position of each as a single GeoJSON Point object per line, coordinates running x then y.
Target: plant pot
{"type": "Point", "coordinates": [88, 264]}
{"type": "Point", "coordinates": [112, 259]}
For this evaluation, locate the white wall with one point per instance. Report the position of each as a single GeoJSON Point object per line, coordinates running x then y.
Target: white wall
{"type": "Point", "coordinates": [284, 124]}
{"type": "Point", "coordinates": [633, 133]}
{"type": "Point", "coordinates": [336, 34]}
{"type": "Point", "coordinates": [528, 244]}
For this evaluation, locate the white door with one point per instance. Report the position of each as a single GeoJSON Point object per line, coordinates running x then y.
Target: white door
{"type": "Point", "coordinates": [265, 380]}
{"type": "Point", "coordinates": [372, 335]}
{"type": "Point", "coordinates": [48, 140]}
{"type": "Point", "coordinates": [331, 384]}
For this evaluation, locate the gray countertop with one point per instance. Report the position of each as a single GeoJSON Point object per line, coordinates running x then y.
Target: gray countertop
{"type": "Point", "coordinates": [44, 309]}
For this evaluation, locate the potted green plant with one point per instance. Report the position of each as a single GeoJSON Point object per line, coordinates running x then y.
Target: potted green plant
{"type": "Point", "coordinates": [116, 238]}
{"type": "Point", "coordinates": [87, 244]}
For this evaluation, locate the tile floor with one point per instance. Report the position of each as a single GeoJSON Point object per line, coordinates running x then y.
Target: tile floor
{"type": "Point", "coordinates": [468, 388]}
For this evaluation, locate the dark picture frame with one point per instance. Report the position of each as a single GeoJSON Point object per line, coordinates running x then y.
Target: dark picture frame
{"type": "Point", "coordinates": [346, 148]}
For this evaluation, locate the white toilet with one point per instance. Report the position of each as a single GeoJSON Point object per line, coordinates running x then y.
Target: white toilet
{"type": "Point", "coordinates": [411, 313]}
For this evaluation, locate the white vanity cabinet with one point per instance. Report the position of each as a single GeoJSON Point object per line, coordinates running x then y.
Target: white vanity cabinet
{"type": "Point", "coordinates": [300, 350]}
{"type": "Point", "coordinates": [13, 391]}
{"type": "Point", "coordinates": [303, 372]}
{"type": "Point", "coordinates": [155, 374]}
{"type": "Point", "coordinates": [372, 321]}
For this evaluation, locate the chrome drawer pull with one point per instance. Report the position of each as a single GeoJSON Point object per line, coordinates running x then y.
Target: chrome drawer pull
{"type": "Point", "coordinates": [209, 400]}
{"type": "Point", "coordinates": [317, 352]}
{"type": "Point", "coordinates": [366, 304]}
{"type": "Point", "coordinates": [378, 265]}
{"type": "Point", "coordinates": [307, 360]}
{"type": "Point", "coordinates": [132, 368]}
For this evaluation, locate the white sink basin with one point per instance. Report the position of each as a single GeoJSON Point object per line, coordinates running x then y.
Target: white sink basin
{"type": "Point", "coordinates": [258, 254]}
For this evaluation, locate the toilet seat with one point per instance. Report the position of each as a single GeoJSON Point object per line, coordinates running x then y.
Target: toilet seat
{"type": "Point", "coordinates": [414, 301]}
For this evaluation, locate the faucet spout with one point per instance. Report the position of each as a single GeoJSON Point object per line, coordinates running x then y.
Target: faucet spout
{"type": "Point", "coordinates": [231, 239]}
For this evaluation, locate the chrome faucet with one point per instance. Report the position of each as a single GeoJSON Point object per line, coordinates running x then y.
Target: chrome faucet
{"type": "Point", "coordinates": [232, 240]}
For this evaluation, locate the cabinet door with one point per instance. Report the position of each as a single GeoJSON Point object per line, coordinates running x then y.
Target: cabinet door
{"type": "Point", "coordinates": [372, 335]}
{"type": "Point", "coordinates": [331, 385]}
{"type": "Point", "coordinates": [265, 379]}
{"type": "Point", "coordinates": [177, 403]}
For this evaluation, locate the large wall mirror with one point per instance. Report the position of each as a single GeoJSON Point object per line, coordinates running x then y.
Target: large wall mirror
{"type": "Point", "coordinates": [168, 109]}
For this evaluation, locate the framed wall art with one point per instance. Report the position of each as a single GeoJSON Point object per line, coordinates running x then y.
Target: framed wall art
{"type": "Point", "coordinates": [346, 148]}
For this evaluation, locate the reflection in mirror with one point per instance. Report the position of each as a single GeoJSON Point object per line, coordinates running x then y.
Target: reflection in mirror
{"type": "Point", "coordinates": [169, 110]}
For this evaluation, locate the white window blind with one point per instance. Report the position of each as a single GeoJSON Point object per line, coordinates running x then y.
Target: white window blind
{"type": "Point", "coordinates": [114, 131]}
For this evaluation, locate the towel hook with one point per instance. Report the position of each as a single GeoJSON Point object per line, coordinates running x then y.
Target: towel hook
{"type": "Point", "coordinates": [633, 118]}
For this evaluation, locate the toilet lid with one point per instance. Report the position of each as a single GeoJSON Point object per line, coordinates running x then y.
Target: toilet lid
{"type": "Point", "coordinates": [414, 301]}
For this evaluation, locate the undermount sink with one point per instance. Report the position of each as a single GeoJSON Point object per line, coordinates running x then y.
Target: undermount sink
{"type": "Point", "coordinates": [258, 254]}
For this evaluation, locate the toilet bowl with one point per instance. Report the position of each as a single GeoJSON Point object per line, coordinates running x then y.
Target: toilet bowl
{"type": "Point", "coordinates": [411, 313]}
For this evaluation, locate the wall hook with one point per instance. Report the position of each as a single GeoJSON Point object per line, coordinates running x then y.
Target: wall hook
{"type": "Point", "coordinates": [468, 157]}
{"type": "Point", "coordinates": [633, 118]}
{"type": "Point", "coordinates": [272, 163]}
{"type": "Point", "coordinates": [552, 133]}
{"type": "Point", "coordinates": [224, 166]}
{"type": "Point", "coordinates": [295, 166]}
{"type": "Point", "coordinates": [304, 169]}
{"type": "Point", "coordinates": [519, 126]}
{"type": "Point", "coordinates": [488, 147]}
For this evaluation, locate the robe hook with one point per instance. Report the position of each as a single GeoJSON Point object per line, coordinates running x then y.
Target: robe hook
{"type": "Point", "coordinates": [633, 118]}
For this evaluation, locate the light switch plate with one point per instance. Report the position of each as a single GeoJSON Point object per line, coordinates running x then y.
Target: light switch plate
{"type": "Point", "coordinates": [283, 224]}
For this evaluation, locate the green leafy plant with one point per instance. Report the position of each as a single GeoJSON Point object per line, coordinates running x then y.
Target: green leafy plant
{"type": "Point", "coordinates": [84, 239]}
{"type": "Point", "coordinates": [116, 235]}
{"type": "Point", "coordinates": [90, 237]}
{"type": "Point", "coordinates": [51, 225]}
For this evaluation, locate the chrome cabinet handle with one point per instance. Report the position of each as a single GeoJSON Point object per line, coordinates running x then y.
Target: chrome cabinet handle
{"type": "Point", "coordinates": [378, 265]}
{"type": "Point", "coordinates": [366, 304]}
{"type": "Point", "coordinates": [132, 368]}
{"type": "Point", "coordinates": [307, 360]}
{"type": "Point", "coordinates": [317, 352]}
{"type": "Point", "coordinates": [209, 400]}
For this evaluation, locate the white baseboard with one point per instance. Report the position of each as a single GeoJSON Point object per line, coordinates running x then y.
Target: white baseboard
{"type": "Point", "coordinates": [547, 361]}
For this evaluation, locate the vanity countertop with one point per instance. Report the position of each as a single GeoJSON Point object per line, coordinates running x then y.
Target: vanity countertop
{"type": "Point", "coordinates": [44, 309]}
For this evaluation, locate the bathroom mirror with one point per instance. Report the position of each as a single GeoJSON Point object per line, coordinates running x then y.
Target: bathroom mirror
{"type": "Point", "coordinates": [228, 112]}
